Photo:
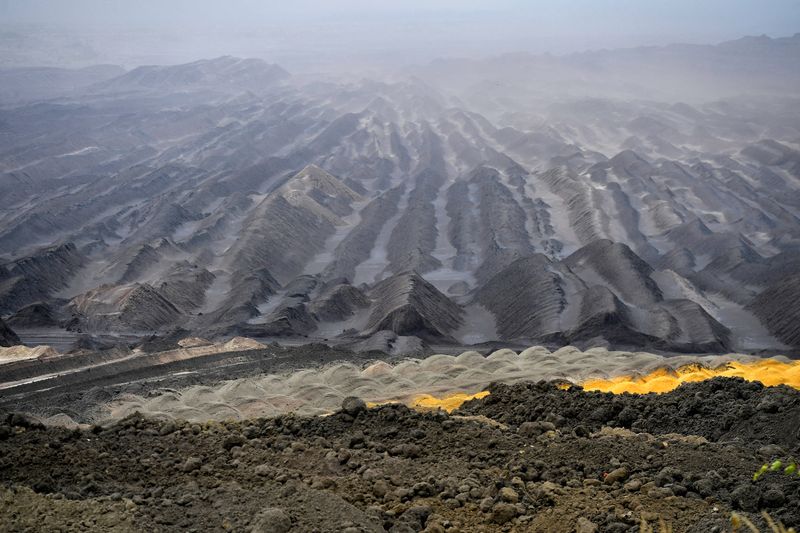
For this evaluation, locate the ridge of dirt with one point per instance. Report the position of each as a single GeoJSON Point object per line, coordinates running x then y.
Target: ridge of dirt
{"type": "Point", "coordinates": [718, 409]}
{"type": "Point", "coordinates": [393, 469]}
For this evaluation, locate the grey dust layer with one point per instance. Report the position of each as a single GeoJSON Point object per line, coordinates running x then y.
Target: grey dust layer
{"type": "Point", "coordinates": [523, 200]}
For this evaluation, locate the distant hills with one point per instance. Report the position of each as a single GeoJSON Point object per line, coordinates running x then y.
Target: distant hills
{"type": "Point", "coordinates": [478, 201]}
{"type": "Point", "coordinates": [678, 72]}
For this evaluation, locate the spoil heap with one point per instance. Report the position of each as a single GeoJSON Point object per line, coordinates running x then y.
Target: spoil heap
{"type": "Point", "coordinates": [529, 457]}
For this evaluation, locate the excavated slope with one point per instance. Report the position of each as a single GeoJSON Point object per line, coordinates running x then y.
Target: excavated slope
{"type": "Point", "coordinates": [406, 304]}
{"type": "Point", "coordinates": [7, 335]}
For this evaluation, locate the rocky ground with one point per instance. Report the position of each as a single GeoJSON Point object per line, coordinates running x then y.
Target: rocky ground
{"type": "Point", "coordinates": [528, 457]}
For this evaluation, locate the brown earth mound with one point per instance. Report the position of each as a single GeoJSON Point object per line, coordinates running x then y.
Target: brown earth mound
{"type": "Point", "coordinates": [499, 464]}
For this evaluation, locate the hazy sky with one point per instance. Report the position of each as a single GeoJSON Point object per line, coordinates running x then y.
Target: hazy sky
{"type": "Point", "coordinates": [418, 29]}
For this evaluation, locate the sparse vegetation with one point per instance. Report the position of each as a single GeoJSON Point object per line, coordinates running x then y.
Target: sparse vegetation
{"type": "Point", "coordinates": [777, 466]}
{"type": "Point", "coordinates": [740, 522]}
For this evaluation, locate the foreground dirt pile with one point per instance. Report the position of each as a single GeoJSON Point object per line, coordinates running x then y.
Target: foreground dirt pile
{"type": "Point", "coordinates": [719, 409]}
{"type": "Point", "coordinates": [528, 457]}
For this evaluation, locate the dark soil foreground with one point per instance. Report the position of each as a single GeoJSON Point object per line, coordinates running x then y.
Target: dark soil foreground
{"type": "Point", "coordinates": [529, 457]}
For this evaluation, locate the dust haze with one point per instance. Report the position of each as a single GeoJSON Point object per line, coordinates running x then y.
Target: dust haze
{"type": "Point", "coordinates": [316, 34]}
{"type": "Point", "coordinates": [219, 220]}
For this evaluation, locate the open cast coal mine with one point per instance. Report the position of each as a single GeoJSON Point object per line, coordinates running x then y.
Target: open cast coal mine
{"type": "Point", "coordinates": [279, 292]}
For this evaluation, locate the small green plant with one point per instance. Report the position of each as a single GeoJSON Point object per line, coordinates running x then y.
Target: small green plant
{"type": "Point", "coordinates": [739, 521]}
{"type": "Point", "coordinates": [776, 466]}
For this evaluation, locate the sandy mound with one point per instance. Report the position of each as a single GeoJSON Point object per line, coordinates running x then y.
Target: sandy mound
{"type": "Point", "coordinates": [240, 344]}
{"type": "Point", "coordinates": [191, 342]}
{"type": "Point", "coordinates": [19, 353]}
{"type": "Point", "coordinates": [198, 346]}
